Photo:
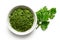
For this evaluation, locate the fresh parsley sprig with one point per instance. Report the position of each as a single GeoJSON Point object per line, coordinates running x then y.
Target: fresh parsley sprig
{"type": "Point", "coordinates": [44, 15]}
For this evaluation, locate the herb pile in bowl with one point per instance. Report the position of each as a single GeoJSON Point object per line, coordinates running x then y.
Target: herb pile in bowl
{"type": "Point", "coordinates": [21, 18]}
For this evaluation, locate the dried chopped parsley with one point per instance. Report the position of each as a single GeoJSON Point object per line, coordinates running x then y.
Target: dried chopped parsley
{"type": "Point", "coordinates": [21, 19]}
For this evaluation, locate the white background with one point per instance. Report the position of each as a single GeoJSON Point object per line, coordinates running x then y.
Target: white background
{"type": "Point", "coordinates": [53, 30]}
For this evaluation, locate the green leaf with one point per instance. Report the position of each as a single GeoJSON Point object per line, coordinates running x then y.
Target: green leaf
{"type": "Point", "coordinates": [52, 12]}
{"type": "Point", "coordinates": [44, 25]}
{"type": "Point", "coordinates": [43, 14]}
{"type": "Point", "coordinates": [38, 15]}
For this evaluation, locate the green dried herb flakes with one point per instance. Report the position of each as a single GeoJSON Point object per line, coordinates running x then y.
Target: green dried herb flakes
{"type": "Point", "coordinates": [44, 15]}
{"type": "Point", "coordinates": [21, 19]}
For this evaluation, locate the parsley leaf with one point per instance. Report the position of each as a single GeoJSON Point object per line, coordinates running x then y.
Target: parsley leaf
{"type": "Point", "coordinates": [52, 12]}
{"type": "Point", "coordinates": [44, 25]}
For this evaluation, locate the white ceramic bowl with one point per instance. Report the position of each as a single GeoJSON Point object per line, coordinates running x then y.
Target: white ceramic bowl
{"type": "Point", "coordinates": [28, 31]}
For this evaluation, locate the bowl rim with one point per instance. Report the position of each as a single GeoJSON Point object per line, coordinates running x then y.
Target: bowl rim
{"type": "Point", "coordinates": [26, 32]}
